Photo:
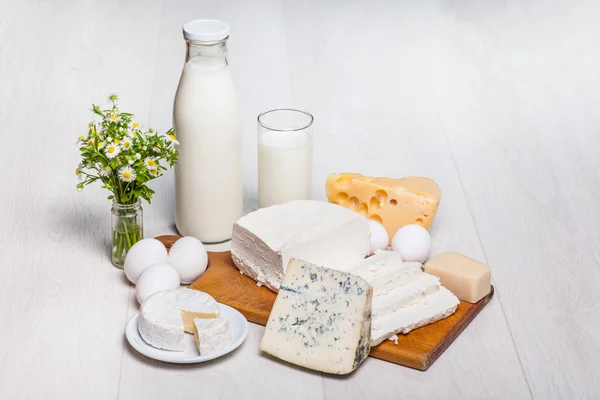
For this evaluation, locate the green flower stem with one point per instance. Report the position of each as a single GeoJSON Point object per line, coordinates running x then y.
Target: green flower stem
{"type": "Point", "coordinates": [126, 233]}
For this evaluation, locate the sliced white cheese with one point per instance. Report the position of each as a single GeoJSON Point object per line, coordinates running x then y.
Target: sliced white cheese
{"type": "Point", "coordinates": [386, 271]}
{"type": "Point", "coordinates": [431, 309]}
{"type": "Point", "coordinates": [321, 319]}
{"type": "Point", "coordinates": [322, 233]}
{"type": "Point", "coordinates": [405, 295]}
{"type": "Point", "coordinates": [166, 316]}
{"type": "Point", "coordinates": [212, 335]}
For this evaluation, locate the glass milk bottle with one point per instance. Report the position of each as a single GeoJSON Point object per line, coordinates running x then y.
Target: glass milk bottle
{"type": "Point", "coordinates": [207, 121]}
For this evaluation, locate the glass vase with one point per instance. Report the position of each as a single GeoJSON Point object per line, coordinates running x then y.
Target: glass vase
{"type": "Point", "coordinates": [127, 228]}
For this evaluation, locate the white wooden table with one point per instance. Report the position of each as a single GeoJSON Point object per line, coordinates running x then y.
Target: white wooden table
{"type": "Point", "coordinates": [499, 102]}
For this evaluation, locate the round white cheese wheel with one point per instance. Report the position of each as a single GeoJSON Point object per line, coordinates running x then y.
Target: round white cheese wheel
{"type": "Point", "coordinates": [166, 316]}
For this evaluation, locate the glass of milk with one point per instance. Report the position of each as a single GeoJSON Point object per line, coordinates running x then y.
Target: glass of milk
{"type": "Point", "coordinates": [284, 156]}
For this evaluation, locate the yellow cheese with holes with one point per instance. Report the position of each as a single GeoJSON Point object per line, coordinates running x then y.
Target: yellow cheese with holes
{"type": "Point", "coordinates": [391, 202]}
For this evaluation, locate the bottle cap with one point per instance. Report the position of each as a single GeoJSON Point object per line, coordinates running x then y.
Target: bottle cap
{"type": "Point", "coordinates": [205, 30]}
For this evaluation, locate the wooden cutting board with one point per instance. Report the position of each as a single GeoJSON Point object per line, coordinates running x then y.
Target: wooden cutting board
{"type": "Point", "coordinates": [418, 349]}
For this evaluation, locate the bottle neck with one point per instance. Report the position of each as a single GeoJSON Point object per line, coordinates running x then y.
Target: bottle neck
{"type": "Point", "coordinates": [214, 50]}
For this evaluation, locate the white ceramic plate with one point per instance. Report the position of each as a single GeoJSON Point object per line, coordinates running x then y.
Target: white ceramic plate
{"type": "Point", "coordinates": [239, 331]}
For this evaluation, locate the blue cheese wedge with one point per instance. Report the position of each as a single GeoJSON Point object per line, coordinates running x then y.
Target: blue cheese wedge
{"type": "Point", "coordinates": [321, 319]}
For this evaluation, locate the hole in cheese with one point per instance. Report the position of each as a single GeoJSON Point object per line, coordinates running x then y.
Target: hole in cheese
{"type": "Point", "coordinates": [375, 205]}
{"type": "Point", "coordinates": [377, 218]}
{"type": "Point", "coordinates": [341, 198]}
{"type": "Point", "coordinates": [393, 202]}
{"type": "Point", "coordinates": [419, 221]}
{"type": "Point", "coordinates": [363, 209]}
{"type": "Point", "coordinates": [353, 203]}
{"type": "Point", "coordinates": [382, 196]}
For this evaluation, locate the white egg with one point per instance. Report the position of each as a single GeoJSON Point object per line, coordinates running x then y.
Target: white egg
{"type": "Point", "coordinates": [379, 236]}
{"type": "Point", "coordinates": [188, 256]}
{"type": "Point", "coordinates": [143, 254]}
{"type": "Point", "coordinates": [412, 242]}
{"type": "Point", "coordinates": [156, 278]}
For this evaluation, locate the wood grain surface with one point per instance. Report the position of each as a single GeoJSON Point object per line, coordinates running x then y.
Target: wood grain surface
{"type": "Point", "coordinates": [495, 101]}
{"type": "Point", "coordinates": [417, 349]}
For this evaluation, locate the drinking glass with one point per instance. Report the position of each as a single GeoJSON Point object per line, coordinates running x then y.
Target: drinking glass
{"type": "Point", "coordinates": [284, 156]}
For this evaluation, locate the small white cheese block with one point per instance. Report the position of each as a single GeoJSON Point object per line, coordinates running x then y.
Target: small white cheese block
{"type": "Point", "coordinates": [322, 233]}
{"type": "Point", "coordinates": [429, 310]}
{"type": "Point", "coordinates": [405, 295]}
{"type": "Point", "coordinates": [212, 335]}
{"type": "Point", "coordinates": [321, 319]}
{"type": "Point", "coordinates": [166, 316]}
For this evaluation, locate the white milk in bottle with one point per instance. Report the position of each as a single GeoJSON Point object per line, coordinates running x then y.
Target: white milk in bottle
{"type": "Point", "coordinates": [207, 121]}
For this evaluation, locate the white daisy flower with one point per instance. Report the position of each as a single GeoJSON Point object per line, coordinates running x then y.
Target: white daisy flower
{"type": "Point", "coordinates": [138, 135]}
{"type": "Point", "coordinates": [117, 141]}
{"type": "Point", "coordinates": [154, 172]}
{"type": "Point", "coordinates": [100, 145]}
{"type": "Point", "coordinates": [113, 118]}
{"type": "Point", "coordinates": [112, 150]}
{"type": "Point", "coordinates": [151, 164]}
{"type": "Point", "coordinates": [103, 170]}
{"type": "Point", "coordinates": [135, 126]}
{"type": "Point", "coordinates": [171, 138]}
{"type": "Point", "coordinates": [78, 172]}
{"type": "Point", "coordinates": [126, 143]}
{"type": "Point", "coordinates": [127, 174]}
{"type": "Point", "coordinates": [80, 140]}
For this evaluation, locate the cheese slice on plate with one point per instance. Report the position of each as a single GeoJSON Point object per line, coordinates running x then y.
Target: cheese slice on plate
{"type": "Point", "coordinates": [326, 234]}
{"type": "Point", "coordinates": [212, 335]}
{"type": "Point", "coordinates": [391, 202]}
{"type": "Point", "coordinates": [321, 319]}
{"type": "Point", "coordinates": [166, 316]}
{"type": "Point", "coordinates": [429, 310]}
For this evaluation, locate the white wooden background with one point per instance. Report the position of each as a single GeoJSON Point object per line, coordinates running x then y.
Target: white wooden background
{"type": "Point", "coordinates": [498, 101]}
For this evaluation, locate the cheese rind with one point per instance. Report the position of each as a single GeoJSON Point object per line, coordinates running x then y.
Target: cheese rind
{"type": "Point", "coordinates": [212, 335]}
{"type": "Point", "coordinates": [265, 240]}
{"type": "Point", "coordinates": [391, 202]}
{"type": "Point", "coordinates": [429, 310]}
{"type": "Point", "coordinates": [468, 279]}
{"type": "Point", "coordinates": [166, 316]}
{"type": "Point", "coordinates": [321, 319]}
